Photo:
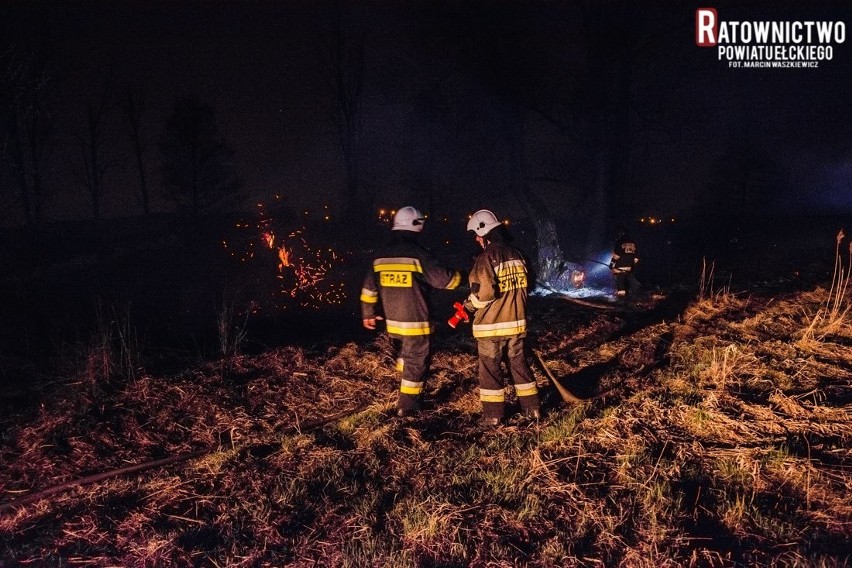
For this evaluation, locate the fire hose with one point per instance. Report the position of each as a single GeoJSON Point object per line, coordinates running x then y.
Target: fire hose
{"type": "Point", "coordinates": [461, 315]}
{"type": "Point", "coordinates": [94, 478]}
{"type": "Point", "coordinates": [570, 397]}
{"type": "Point", "coordinates": [566, 395]}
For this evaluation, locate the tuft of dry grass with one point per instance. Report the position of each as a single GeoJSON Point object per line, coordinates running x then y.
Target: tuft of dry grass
{"type": "Point", "coordinates": [832, 316]}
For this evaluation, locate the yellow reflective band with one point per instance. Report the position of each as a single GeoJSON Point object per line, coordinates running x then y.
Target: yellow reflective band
{"type": "Point", "coordinates": [409, 327]}
{"type": "Point", "coordinates": [409, 387]}
{"type": "Point", "coordinates": [526, 389]}
{"type": "Point", "coordinates": [403, 264]}
{"type": "Point", "coordinates": [492, 397]}
{"type": "Point", "coordinates": [397, 267]}
{"type": "Point", "coordinates": [454, 282]}
{"type": "Point", "coordinates": [369, 299]}
{"type": "Point", "coordinates": [510, 267]}
{"type": "Point", "coordinates": [501, 332]}
{"type": "Point", "coordinates": [500, 329]}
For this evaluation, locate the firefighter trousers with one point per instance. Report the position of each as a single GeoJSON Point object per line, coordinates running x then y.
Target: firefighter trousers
{"type": "Point", "coordinates": [622, 283]}
{"type": "Point", "coordinates": [492, 392]}
{"type": "Point", "coordinates": [412, 362]}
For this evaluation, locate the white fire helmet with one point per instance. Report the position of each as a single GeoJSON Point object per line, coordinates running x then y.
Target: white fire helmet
{"type": "Point", "coordinates": [482, 222]}
{"type": "Point", "coordinates": [408, 219]}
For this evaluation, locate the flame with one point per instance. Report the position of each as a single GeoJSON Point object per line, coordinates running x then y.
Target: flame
{"type": "Point", "coordinates": [303, 275]}
{"type": "Point", "coordinates": [284, 256]}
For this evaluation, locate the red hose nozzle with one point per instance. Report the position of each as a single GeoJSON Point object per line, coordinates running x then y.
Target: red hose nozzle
{"type": "Point", "coordinates": [461, 315]}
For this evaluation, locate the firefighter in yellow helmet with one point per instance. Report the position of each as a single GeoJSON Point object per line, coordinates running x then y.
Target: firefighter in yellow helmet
{"type": "Point", "coordinates": [498, 297]}
{"type": "Point", "coordinates": [397, 283]}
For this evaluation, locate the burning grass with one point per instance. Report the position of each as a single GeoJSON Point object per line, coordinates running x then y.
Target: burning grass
{"type": "Point", "coordinates": [709, 435]}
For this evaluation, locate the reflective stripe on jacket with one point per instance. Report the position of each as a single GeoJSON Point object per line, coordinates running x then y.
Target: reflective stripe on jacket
{"type": "Point", "coordinates": [399, 279]}
{"type": "Point", "coordinates": [498, 283]}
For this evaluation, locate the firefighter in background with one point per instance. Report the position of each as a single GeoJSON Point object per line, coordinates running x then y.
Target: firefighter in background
{"type": "Point", "coordinates": [498, 298]}
{"type": "Point", "coordinates": [625, 257]}
{"type": "Point", "coordinates": [399, 280]}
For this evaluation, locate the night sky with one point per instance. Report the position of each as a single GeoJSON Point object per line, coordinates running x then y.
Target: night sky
{"type": "Point", "coordinates": [452, 94]}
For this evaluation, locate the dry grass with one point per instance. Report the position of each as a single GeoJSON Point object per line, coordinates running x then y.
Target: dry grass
{"type": "Point", "coordinates": [832, 316]}
{"type": "Point", "coordinates": [718, 439]}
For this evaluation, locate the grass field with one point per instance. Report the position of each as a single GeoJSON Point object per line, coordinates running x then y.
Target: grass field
{"type": "Point", "coordinates": [714, 431]}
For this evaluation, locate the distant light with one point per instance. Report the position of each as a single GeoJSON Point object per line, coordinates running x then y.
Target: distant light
{"type": "Point", "coordinates": [381, 211]}
{"type": "Point", "coordinates": [505, 221]}
{"type": "Point", "coordinates": [326, 217]}
{"type": "Point", "coordinates": [673, 220]}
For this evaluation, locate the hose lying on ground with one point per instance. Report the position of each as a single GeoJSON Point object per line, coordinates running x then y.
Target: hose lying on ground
{"type": "Point", "coordinates": [94, 478]}
{"type": "Point", "coordinates": [566, 395]}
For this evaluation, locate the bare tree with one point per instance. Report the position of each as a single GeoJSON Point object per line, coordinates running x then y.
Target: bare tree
{"type": "Point", "coordinates": [516, 73]}
{"type": "Point", "coordinates": [341, 55]}
{"type": "Point", "coordinates": [95, 162]}
{"type": "Point", "coordinates": [588, 94]}
{"type": "Point", "coordinates": [134, 110]}
{"type": "Point", "coordinates": [198, 172]}
{"type": "Point", "coordinates": [26, 89]}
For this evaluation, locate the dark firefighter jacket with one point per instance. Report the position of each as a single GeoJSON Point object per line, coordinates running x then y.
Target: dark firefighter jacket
{"type": "Point", "coordinates": [498, 285]}
{"type": "Point", "coordinates": [624, 255]}
{"type": "Point", "coordinates": [400, 278]}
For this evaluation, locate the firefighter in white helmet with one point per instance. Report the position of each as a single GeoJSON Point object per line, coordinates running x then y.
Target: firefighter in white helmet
{"type": "Point", "coordinates": [397, 284]}
{"type": "Point", "coordinates": [498, 297]}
